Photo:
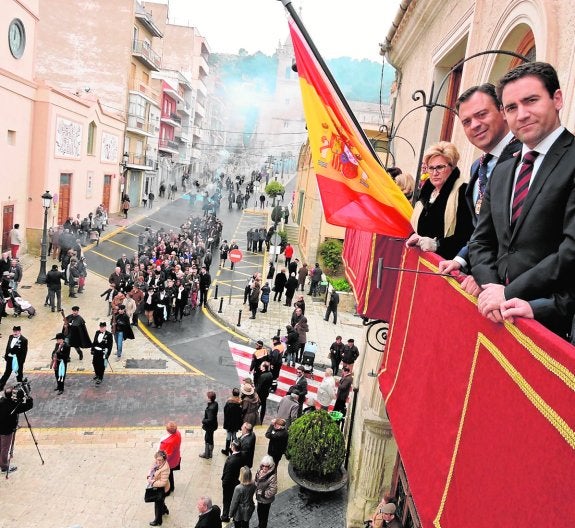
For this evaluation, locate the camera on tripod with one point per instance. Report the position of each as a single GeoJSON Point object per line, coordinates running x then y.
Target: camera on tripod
{"type": "Point", "coordinates": [21, 395]}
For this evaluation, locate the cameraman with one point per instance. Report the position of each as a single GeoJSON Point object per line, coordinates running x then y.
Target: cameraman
{"type": "Point", "coordinates": [8, 425]}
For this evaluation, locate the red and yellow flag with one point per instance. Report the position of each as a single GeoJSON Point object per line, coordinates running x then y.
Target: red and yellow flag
{"type": "Point", "coordinates": [355, 190]}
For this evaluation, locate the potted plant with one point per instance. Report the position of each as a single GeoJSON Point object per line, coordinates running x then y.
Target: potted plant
{"type": "Point", "coordinates": [316, 452]}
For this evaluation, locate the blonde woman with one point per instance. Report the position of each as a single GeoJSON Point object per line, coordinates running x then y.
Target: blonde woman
{"type": "Point", "coordinates": [242, 506]}
{"type": "Point", "coordinates": [441, 218]}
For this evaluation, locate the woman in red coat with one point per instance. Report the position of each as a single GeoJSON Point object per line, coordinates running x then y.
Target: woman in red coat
{"type": "Point", "coordinates": [170, 443]}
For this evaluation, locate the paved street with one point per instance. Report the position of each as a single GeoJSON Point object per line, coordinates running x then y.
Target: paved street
{"type": "Point", "coordinates": [98, 441]}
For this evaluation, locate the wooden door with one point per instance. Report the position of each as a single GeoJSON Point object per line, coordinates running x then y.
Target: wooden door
{"type": "Point", "coordinates": [107, 191]}
{"type": "Point", "coordinates": [64, 198]}
{"type": "Point", "coordinates": [7, 223]}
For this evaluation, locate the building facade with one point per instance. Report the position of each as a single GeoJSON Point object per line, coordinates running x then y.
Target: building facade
{"type": "Point", "coordinates": [425, 42]}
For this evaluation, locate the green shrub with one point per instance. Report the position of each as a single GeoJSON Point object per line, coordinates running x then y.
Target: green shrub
{"type": "Point", "coordinates": [339, 284]}
{"type": "Point", "coordinates": [274, 188]}
{"type": "Point", "coordinates": [330, 251]}
{"type": "Point", "coordinates": [315, 446]}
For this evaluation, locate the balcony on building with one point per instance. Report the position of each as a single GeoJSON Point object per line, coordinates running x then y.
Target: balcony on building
{"type": "Point", "coordinates": [168, 145]}
{"type": "Point", "coordinates": [139, 125]}
{"type": "Point", "coordinates": [184, 107]}
{"type": "Point", "coordinates": [196, 153]}
{"type": "Point", "coordinates": [197, 133]}
{"type": "Point", "coordinates": [141, 162]}
{"type": "Point", "coordinates": [173, 93]}
{"type": "Point", "coordinates": [142, 51]}
{"type": "Point", "coordinates": [147, 21]}
{"type": "Point", "coordinates": [139, 85]}
{"type": "Point", "coordinates": [172, 119]}
{"type": "Point", "coordinates": [183, 134]}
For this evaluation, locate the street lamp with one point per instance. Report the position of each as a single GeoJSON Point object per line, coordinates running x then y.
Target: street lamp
{"type": "Point", "coordinates": [46, 204]}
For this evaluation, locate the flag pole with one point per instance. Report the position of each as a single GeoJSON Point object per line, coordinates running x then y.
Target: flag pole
{"type": "Point", "coordinates": [288, 5]}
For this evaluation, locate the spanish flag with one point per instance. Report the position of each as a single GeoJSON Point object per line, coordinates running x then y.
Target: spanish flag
{"type": "Point", "coordinates": [355, 189]}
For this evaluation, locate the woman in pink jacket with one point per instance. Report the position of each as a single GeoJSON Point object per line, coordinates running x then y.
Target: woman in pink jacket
{"type": "Point", "coordinates": [158, 477]}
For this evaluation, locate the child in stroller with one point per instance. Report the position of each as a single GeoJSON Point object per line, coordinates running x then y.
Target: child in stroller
{"type": "Point", "coordinates": [20, 305]}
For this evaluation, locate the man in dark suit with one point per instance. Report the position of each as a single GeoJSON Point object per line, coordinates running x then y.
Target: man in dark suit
{"type": "Point", "coordinates": [480, 112]}
{"type": "Point", "coordinates": [231, 478]}
{"type": "Point", "coordinates": [247, 442]}
{"type": "Point", "coordinates": [16, 347]}
{"type": "Point", "coordinates": [101, 349]}
{"type": "Point", "coordinates": [523, 249]}
{"type": "Point", "coordinates": [209, 513]}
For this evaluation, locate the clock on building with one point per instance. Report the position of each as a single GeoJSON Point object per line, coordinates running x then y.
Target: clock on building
{"type": "Point", "coordinates": [16, 38]}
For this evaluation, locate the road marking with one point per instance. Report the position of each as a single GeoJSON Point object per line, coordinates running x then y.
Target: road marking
{"type": "Point", "coordinates": [206, 312]}
{"type": "Point", "coordinates": [122, 245]}
{"type": "Point", "coordinates": [168, 351]}
{"type": "Point", "coordinates": [163, 223]}
{"type": "Point", "coordinates": [103, 256]}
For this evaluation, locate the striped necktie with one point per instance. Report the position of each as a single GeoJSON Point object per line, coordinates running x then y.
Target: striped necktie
{"type": "Point", "coordinates": [522, 185]}
{"type": "Point", "coordinates": [482, 179]}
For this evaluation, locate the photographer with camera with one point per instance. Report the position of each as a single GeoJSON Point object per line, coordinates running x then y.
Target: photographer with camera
{"type": "Point", "coordinates": [16, 351]}
{"type": "Point", "coordinates": [8, 426]}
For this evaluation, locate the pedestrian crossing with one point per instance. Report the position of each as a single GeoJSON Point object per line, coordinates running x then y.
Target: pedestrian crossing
{"type": "Point", "coordinates": [242, 356]}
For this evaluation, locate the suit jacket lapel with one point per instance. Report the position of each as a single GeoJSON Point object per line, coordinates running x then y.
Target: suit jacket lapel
{"type": "Point", "coordinates": [552, 158]}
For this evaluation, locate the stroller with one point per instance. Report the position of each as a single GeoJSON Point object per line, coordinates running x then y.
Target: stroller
{"type": "Point", "coordinates": [308, 358]}
{"type": "Point", "coordinates": [20, 305]}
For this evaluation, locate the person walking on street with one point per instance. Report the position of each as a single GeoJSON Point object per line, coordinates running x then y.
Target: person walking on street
{"type": "Point", "coordinates": [288, 254]}
{"type": "Point", "coordinates": [349, 354]}
{"type": "Point", "coordinates": [263, 388]}
{"type": "Point", "coordinates": [151, 198]}
{"type": "Point", "coordinates": [315, 277]}
{"type": "Point", "coordinates": [335, 352]}
{"type": "Point", "coordinates": [76, 332]}
{"type": "Point", "coordinates": [126, 205]}
{"type": "Point", "coordinates": [54, 284]}
{"type": "Point", "coordinates": [15, 356]}
{"type": "Point", "coordinates": [170, 443]}
{"type": "Point", "coordinates": [205, 281]}
{"type": "Point", "coordinates": [279, 284]}
{"type": "Point", "coordinates": [265, 296]}
{"type": "Point", "coordinates": [302, 276]}
{"type": "Point", "coordinates": [267, 488]}
{"type": "Point", "coordinates": [210, 424]}
{"type": "Point", "coordinates": [122, 329]}
{"type": "Point", "coordinates": [332, 306]}
{"type": "Point", "coordinates": [15, 240]}
{"type": "Point", "coordinates": [232, 418]}
{"type": "Point", "coordinates": [60, 360]}
{"type": "Point", "coordinates": [101, 349]}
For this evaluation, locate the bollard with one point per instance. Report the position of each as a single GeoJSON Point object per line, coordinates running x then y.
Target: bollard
{"type": "Point", "coordinates": [221, 305]}
{"type": "Point", "coordinates": [239, 318]}
{"type": "Point", "coordinates": [216, 293]}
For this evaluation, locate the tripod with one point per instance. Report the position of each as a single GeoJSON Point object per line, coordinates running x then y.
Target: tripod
{"type": "Point", "coordinates": [11, 452]}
